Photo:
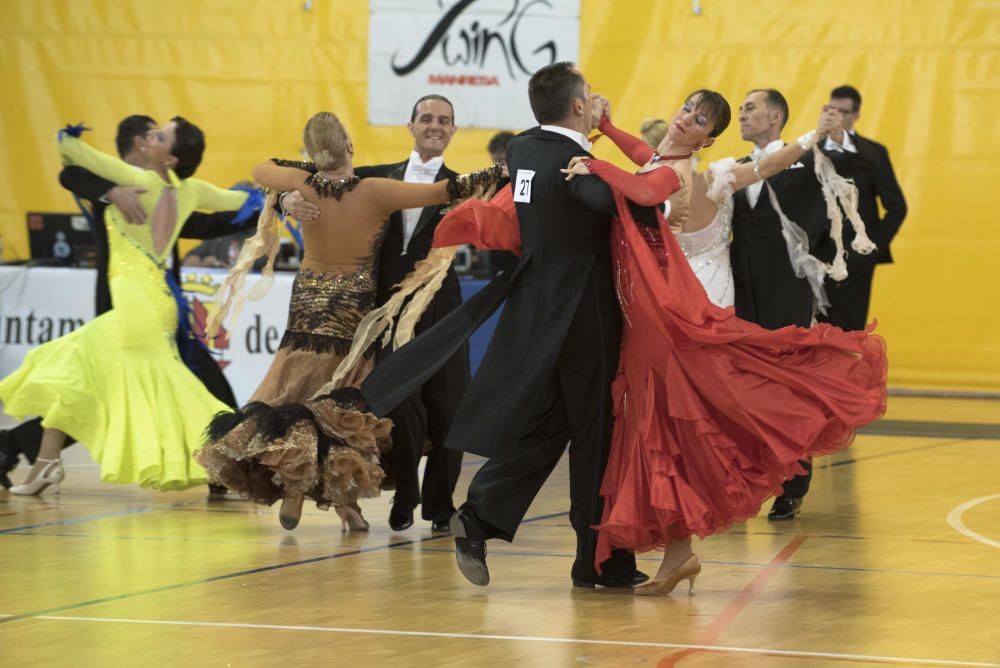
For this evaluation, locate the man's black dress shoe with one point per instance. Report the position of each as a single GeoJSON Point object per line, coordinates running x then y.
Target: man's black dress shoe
{"type": "Point", "coordinates": [637, 578]}
{"type": "Point", "coordinates": [441, 527]}
{"type": "Point", "coordinates": [399, 519]}
{"type": "Point", "coordinates": [785, 508]}
{"type": "Point", "coordinates": [470, 548]}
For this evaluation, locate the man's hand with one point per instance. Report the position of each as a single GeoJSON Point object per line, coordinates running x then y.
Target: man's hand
{"type": "Point", "coordinates": [126, 198]}
{"type": "Point", "coordinates": [296, 206]}
{"type": "Point", "coordinates": [831, 124]}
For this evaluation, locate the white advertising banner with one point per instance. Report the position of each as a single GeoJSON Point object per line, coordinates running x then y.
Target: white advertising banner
{"type": "Point", "coordinates": [43, 303]}
{"type": "Point", "coordinates": [477, 53]}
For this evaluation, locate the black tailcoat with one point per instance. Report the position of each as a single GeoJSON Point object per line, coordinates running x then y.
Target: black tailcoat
{"type": "Point", "coordinates": [767, 290]}
{"type": "Point", "coordinates": [546, 375]}
{"type": "Point", "coordinates": [428, 413]}
{"type": "Point", "coordinates": [849, 299]}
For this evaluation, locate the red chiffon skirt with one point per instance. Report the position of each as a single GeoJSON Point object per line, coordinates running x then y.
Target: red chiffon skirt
{"type": "Point", "coordinates": [713, 413]}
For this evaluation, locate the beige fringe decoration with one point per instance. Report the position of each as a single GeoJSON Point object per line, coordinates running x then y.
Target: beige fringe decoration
{"type": "Point", "coordinates": [836, 189]}
{"type": "Point", "coordinates": [423, 283]}
{"type": "Point", "coordinates": [266, 242]}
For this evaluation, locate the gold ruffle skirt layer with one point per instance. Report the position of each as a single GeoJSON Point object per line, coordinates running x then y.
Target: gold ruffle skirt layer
{"type": "Point", "coordinates": [289, 439]}
{"type": "Point", "coordinates": [327, 448]}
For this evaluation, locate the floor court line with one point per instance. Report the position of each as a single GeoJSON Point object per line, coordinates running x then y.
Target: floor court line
{"type": "Point", "coordinates": [888, 571]}
{"type": "Point", "coordinates": [712, 632]}
{"type": "Point", "coordinates": [229, 576]}
{"type": "Point", "coordinates": [86, 518]}
{"type": "Point", "coordinates": [954, 519]}
{"type": "Point", "coordinates": [855, 460]}
{"type": "Point", "coordinates": [539, 639]}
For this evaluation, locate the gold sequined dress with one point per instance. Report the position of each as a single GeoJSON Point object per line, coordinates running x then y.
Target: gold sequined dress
{"type": "Point", "coordinates": [289, 437]}
{"type": "Point", "coordinates": [304, 432]}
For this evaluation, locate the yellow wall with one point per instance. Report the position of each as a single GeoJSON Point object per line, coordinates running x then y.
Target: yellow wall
{"type": "Point", "coordinates": [250, 72]}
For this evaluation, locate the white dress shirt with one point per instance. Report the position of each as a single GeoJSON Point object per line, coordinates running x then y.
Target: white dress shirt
{"type": "Point", "coordinates": [753, 190]}
{"type": "Point", "coordinates": [417, 171]}
{"type": "Point", "coordinates": [578, 137]}
{"type": "Point", "coordinates": [848, 144]}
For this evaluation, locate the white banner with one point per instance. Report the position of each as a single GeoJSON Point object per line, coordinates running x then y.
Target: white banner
{"type": "Point", "coordinates": [477, 53]}
{"type": "Point", "coordinates": [43, 303]}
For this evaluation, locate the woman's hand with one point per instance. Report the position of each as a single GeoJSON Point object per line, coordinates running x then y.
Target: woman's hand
{"type": "Point", "coordinates": [577, 167]}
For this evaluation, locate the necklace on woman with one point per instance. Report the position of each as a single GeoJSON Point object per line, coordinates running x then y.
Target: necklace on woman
{"type": "Point", "coordinates": [663, 158]}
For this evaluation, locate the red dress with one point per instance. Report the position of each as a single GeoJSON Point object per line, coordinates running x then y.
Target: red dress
{"type": "Point", "coordinates": [712, 413]}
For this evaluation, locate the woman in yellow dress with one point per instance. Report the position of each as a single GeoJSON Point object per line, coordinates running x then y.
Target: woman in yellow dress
{"type": "Point", "coordinates": [118, 384]}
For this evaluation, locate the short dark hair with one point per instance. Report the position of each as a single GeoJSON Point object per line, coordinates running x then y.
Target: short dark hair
{"type": "Point", "coordinates": [432, 96]}
{"type": "Point", "coordinates": [129, 128]}
{"type": "Point", "coordinates": [499, 142]}
{"type": "Point", "coordinates": [849, 92]}
{"type": "Point", "coordinates": [552, 89]}
{"type": "Point", "coordinates": [775, 100]}
{"type": "Point", "coordinates": [189, 146]}
{"type": "Point", "coordinates": [714, 106]}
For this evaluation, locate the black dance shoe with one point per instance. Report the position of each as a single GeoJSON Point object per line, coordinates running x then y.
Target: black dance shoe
{"type": "Point", "coordinates": [636, 578]}
{"type": "Point", "coordinates": [441, 527]}
{"type": "Point", "coordinates": [399, 519]}
{"type": "Point", "coordinates": [470, 547]}
{"type": "Point", "coordinates": [785, 508]}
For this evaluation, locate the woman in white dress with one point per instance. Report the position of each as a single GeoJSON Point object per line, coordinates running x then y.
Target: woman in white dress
{"type": "Point", "coordinates": [701, 212]}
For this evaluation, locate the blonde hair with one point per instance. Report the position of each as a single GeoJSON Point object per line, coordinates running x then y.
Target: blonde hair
{"type": "Point", "coordinates": [653, 130]}
{"type": "Point", "coordinates": [326, 141]}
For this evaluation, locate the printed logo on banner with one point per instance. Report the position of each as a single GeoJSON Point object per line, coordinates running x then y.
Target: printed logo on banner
{"type": "Point", "coordinates": [478, 53]}
{"type": "Point", "coordinates": [193, 286]}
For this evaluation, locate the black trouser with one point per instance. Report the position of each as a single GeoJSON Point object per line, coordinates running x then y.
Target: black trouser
{"type": "Point", "coordinates": [799, 485]}
{"type": "Point", "coordinates": [850, 298]}
{"type": "Point", "coordinates": [848, 310]}
{"type": "Point", "coordinates": [503, 489]}
{"type": "Point", "coordinates": [424, 417]}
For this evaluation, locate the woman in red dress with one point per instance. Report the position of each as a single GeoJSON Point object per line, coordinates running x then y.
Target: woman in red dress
{"type": "Point", "coordinates": [713, 413]}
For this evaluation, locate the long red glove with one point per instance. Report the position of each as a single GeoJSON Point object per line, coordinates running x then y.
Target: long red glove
{"type": "Point", "coordinates": [646, 189]}
{"type": "Point", "coordinates": [636, 149]}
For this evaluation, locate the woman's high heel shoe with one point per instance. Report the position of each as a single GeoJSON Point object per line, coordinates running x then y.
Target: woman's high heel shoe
{"type": "Point", "coordinates": [351, 518]}
{"type": "Point", "coordinates": [291, 510]}
{"type": "Point", "coordinates": [689, 570]}
{"type": "Point", "coordinates": [51, 474]}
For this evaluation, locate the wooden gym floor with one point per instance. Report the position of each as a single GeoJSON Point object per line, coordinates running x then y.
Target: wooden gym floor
{"type": "Point", "coordinates": [895, 560]}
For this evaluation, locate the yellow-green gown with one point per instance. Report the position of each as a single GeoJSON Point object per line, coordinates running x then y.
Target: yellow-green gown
{"type": "Point", "coordinates": [117, 384]}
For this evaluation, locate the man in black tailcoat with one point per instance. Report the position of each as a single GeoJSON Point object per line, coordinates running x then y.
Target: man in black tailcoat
{"type": "Point", "coordinates": [767, 290]}
{"type": "Point", "coordinates": [546, 377]}
{"type": "Point", "coordinates": [849, 299]}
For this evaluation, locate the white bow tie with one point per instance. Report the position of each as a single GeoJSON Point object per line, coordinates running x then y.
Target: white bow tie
{"type": "Point", "coordinates": [429, 168]}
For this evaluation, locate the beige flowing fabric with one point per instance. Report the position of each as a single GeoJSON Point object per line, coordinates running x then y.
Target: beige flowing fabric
{"type": "Point", "coordinates": [422, 283]}
{"type": "Point", "coordinates": [836, 189]}
{"type": "Point", "coordinates": [231, 295]}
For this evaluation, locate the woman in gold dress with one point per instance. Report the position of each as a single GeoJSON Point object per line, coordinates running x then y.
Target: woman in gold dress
{"type": "Point", "coordinates": [302, 435]}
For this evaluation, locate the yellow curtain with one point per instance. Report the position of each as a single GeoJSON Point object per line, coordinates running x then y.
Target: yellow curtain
{"type": "Point", "coordinates": [250, 72]}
